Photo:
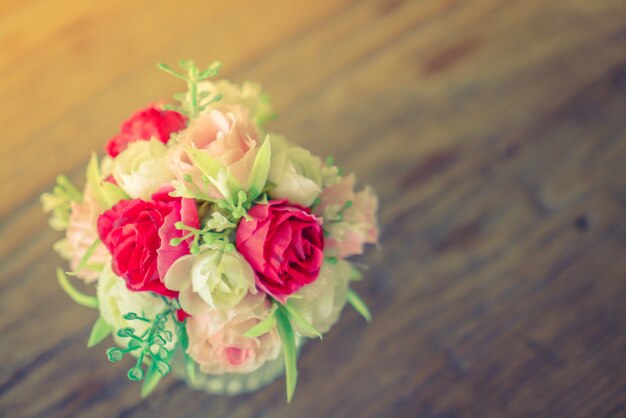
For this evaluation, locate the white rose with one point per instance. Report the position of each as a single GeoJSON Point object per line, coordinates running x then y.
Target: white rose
{"type": "Point", "coordinates": [296, 173]}
{"type": "Point", "coordinates": [212, 279]}
{"type": "Point", "coordinates": [142, 168]}
{"type": "Point", "coordinates": [115, 301]}
{"type": "Point", "coordinates": [321, 302]}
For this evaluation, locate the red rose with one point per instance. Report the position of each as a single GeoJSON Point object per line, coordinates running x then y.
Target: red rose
{"type": "Point", "coordinates": [138, 233]}
{"type": "Point", "coordinates": [145, 124]}
{"type": "Point", "coordinates": [284, 245]}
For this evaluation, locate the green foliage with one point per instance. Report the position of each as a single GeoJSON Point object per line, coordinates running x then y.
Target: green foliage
{"type": "Point", "coordinates": [59, 202]}
{"type": "Point", "coordinates": [190, 365]}
{"type": "Point", "coordinates": [355, 274]}
{"type": "Point", "coordinates": [193, 102]}
{"type": "Point", "coordinates": [262, 327]}
{"type": "Point", "coordinates": [101, 329]}
{"type": "Point", "coordinates": [264, 113]}
{"type": "Point", "coordinates": [107, 194]}
{"type": "Point", "coordinates": [208, 165]}
{"type": "Point", "coordinates": [213, 172]}
{"type": "Point", "coordinates": [358, 304]}
{"type": "Point", "coordinates": [204, 237]}
{"type": "Point", "coordinates": [75, 294]}
{"type": "Point", "coordinates": [236, 206]}
{"type": "Point", "coordinates": [219, 229]}
{"type": "Point", "coordinates": [84, 261]}
{"type": "Point", "coordinates": [260, 170]}
{"type": "Point", "coordinates": [296, 318]}
{"type": "Point", "coordinates": [284, 317]}
{"type": "Point", "coordinates": [151, 348]}
{"type": "Point", "coordinates": [288, 339]}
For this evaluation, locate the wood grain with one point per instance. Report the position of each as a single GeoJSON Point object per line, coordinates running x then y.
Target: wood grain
{"type": "Point", "coordinates": [494, 133]}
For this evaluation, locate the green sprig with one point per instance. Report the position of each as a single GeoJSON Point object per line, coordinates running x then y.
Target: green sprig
{"type": "Point", "coordinates": [237, 207]}
{"type": "Point", "coordinates": [151, 345]}
{"type": "Point", "coordinates": [204, 236]}
{"type": "Point", "coordinates": [59, 202]}
{"type": "Point", "coordinates": [191, 103]}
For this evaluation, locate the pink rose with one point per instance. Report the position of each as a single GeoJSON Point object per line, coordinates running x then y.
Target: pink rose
{"type": "Point", "coordinates": [137, 233]}
{"type": "Point", "coordinates": [228, 135]}
{"type": "Point", "coordinates": [350, 218]}
{"type": "Point", "coordinates": [82, 232]}
{"type": "Point", "coordinates": [284, 244]}
{"type": "Point", "coordinates": [216, 340]}
{"type": "Point", "coordinates": [144, 124]}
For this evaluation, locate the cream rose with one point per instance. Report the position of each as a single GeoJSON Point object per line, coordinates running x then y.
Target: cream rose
{"type": "Point", "coordinates": [349, 217]}
{"type": "Point", "coordinates": [216, 340]}
{"type": "Point", "coordinates": [115, 301]}
{"type": "Point", "coordinates": [247, 94]}
{"type": "Point", "coordinates": [81, 233]}
{"type": "Point", "coordinates": [212, 279]}
{"type": "Point", "coordinates": [321, 302]}
{"type": "Point", "coordinates": [295, 172]}
{"type": "Point", "coordinates": [228, 136]}
{"type": "Point", "coordinates": [142, 168]}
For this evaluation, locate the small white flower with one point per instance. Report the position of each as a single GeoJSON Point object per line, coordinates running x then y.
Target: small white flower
{"type": "Point", "coordinates": [219, 222]}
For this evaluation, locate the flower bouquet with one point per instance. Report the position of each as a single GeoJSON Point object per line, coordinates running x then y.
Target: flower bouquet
{"type": "Point", "coordinates": [213, 245]}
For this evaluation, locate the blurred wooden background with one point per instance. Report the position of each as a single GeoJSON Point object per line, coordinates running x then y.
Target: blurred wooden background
{"type": "Point", "coordinates": [493, 131]}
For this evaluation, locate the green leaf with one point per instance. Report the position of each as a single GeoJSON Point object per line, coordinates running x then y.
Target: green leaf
{"type": "Point", "coordinates": [216, 173]}
{"type": "Point", "coordinates": [260, 170]}
{"type": "Point", "coordinates": [297, 318]}
{"type": "Point", "coordinates": [93, 179]}
{"type": "Point", "coordinates": [190, 366]}
{"type": "Point", "coordinates": [85, 258]}
{"type": "Point", "coordinates": [208, 165]}
{"type": "Point", "coordinates": [75, 294]}
{"type": "Point", "coordinates": [107, 194]}
{"type": "Point", "coordinates": [262, 327]}
{"type": "Point", "coordinates": [151, 380]}
{"type": "Point", "coordinates": [101, 329]}
{"type": "Point", "coordinates": [358, 304]}
{"type": "Point", "coordinates": [69, 188]}
{"type": "Point", "coordinates": [114, 193]}
{"type": "Point", "coordinates": [288, 339]}
{"type": "Point", "coordinates": [355, 273]}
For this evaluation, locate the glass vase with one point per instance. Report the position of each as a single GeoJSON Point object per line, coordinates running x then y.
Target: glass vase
{"type": "Point", "coordinates": [231, 384]}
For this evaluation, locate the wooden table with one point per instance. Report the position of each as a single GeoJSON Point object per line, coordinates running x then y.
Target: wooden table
{"type": "Point", "coordinates": [493, 131]}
